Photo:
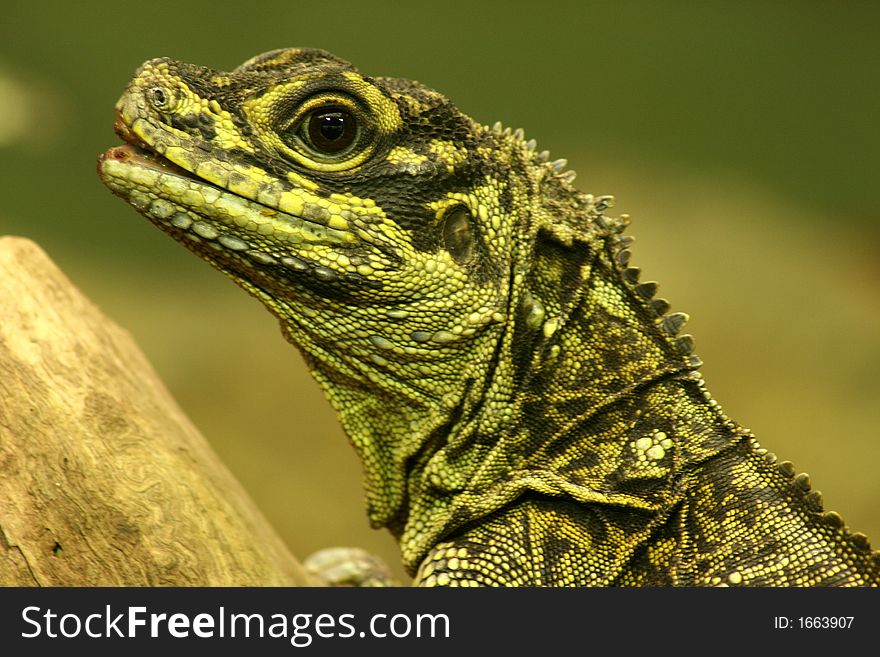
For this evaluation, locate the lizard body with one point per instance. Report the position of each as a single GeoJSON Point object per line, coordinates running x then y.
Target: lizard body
{"type": "Point", "coordinates": [524, 407]}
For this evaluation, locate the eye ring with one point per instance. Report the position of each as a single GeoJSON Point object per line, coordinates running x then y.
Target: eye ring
{"type": "Point", "coordinates": [329, 131]}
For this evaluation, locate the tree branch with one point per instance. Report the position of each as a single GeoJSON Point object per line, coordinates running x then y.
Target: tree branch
{"type": "Point", "coordinates": [103, 479]}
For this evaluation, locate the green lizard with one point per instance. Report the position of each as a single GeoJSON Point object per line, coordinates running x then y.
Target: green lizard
{"type": "Point", "coordinates": [524, 409]}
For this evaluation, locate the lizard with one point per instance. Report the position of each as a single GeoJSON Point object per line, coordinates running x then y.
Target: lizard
{"type": "Point", "coordinates": [526, 410]}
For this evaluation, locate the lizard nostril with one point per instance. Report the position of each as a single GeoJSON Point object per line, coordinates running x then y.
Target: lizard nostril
{"type": "Point", "coordinates": [159, 97]}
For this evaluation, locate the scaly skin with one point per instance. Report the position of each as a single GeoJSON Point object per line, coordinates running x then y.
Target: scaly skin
{"type": "Point", "coordinates": [523, 408]}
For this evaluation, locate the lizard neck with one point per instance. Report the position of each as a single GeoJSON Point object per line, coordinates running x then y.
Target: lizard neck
{"type": "Point", "coordinates": [593, 399]}
{"type": "Point", "coordinates": [395, 405]}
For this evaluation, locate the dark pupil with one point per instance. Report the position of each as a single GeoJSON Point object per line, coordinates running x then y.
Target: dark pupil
{"type": "Point", "coordinates": [332, 126]}
{"type": "Point", "coordinates": [331, 131]}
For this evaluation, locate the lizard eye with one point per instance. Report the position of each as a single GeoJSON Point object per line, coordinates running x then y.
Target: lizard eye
{"type": "Point", "coordinates": [330, 129]}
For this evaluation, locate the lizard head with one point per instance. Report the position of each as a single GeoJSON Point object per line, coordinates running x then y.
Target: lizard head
{"type": "Point", "coordinates": [359, 210]}
{"type": "Point", "coordinates": [383, 227]}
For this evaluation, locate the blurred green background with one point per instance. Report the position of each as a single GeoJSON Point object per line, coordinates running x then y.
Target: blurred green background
{"type": "Point", "coordinates": [742, 137]}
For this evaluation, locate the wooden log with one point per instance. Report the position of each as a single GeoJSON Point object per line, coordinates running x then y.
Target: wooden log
{"type": "Point", "coordinates": [103, 479]}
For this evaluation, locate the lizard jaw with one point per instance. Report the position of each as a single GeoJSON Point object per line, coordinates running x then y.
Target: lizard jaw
{"type": "Point", "coordinates": [140, 150]}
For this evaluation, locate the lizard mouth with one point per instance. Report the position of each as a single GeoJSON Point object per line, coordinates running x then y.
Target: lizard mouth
{"type": "Point", "coordinates": [259, 227]}
{"type": "Point", "coordinates": [138, 152]}
{"type": "Point", "coordinates": [234, 232]}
